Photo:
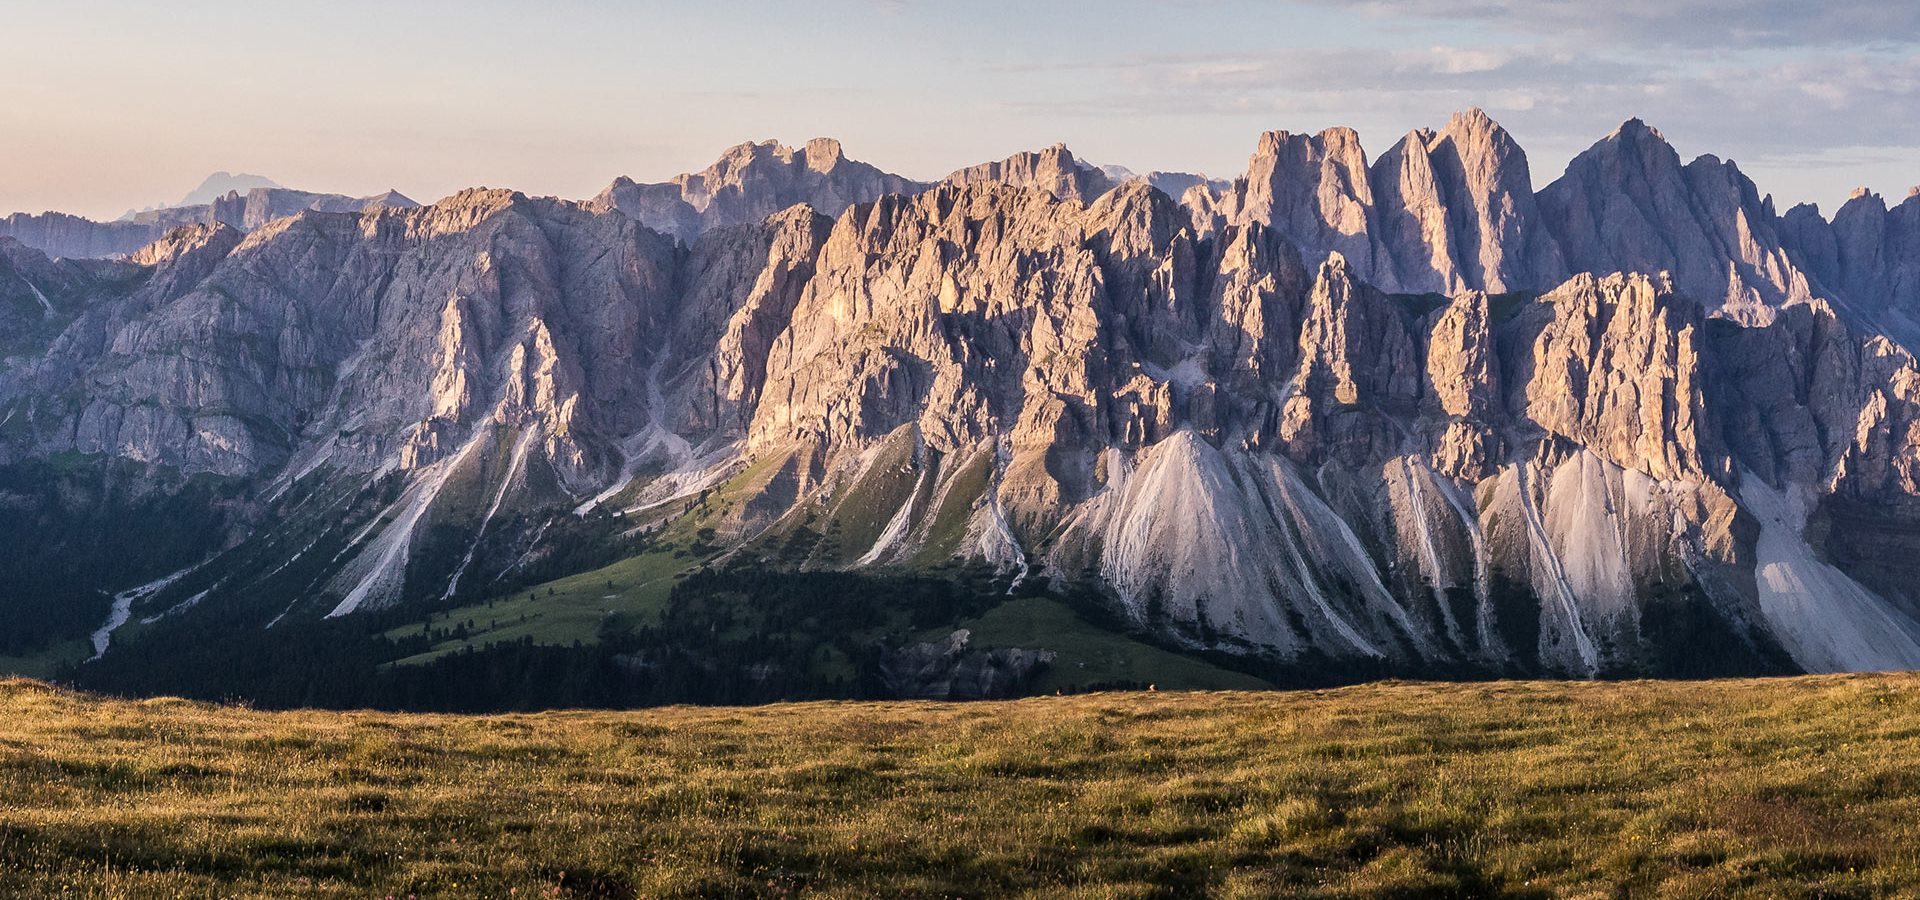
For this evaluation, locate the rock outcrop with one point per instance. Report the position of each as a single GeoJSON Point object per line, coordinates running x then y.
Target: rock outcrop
{"type": "Point", "coordinates": [1312, 189]}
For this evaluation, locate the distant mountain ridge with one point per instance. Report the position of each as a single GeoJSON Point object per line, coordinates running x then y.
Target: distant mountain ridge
{"type": "Point", "coordinates": [62, 235]}
{"type": "Point", "coordinates": [220, 184]}
{"type": "Point", "coordinates": [1339, 414]}
{"type": "Point", "coordinates": [213, 187]}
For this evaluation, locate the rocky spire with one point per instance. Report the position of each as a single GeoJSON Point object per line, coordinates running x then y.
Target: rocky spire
{"type": "Point", "coordinates": [1313, 190]}
{"type": "Point", "coordinates": [1441, 211]}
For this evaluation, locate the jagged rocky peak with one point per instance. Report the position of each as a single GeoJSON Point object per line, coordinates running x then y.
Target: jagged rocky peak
{"type": "Point", "coordinates": [1442, 211]}
{"type": "Point", "coordinates": [184, 257]}
{"type": "Point", "coordinates": [1628, 204]}
{"type": "Point", "coordinates": [1314, 190]}
{"type": "Point", "coordinates": [888, 316]}
{"type": "Point", "coordinates": [1355, 349]}
{"type": "Point", "coordinates": [1862, 201]}
{"type": "Point", "coordinates": [1809, 237]}
{"type": "Point", "coordinates": [1474, 121]}
{"type": "Point", "coordinates": [462, 210]}
{"type": "Point", "coordinates": [822, 154]}
{"type": "Point", "coordinates": [1457, 212]}
{"type": "Point", "coordinates": [1054, 170]}
{"type": "Point", "coordinates": [1136, 215]}
{"type": "Point", "coordinates": [749, 182]}
{"type": "Point", "coordinates": [257, 207]}
{"type": "Point", "coordinates": [1635, 130]}
{"type": "Point", "coordinates": [819, 155]}
{"type": "Point", "coordinates": [1870, 256]}
{"type": "Point", "coordinates": [1198, 194]}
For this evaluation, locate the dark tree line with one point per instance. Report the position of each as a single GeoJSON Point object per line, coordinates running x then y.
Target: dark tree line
{"type": "Point", "coordinates": [71, 527]}
{"type": "Point", "coordinates": [739, 635]}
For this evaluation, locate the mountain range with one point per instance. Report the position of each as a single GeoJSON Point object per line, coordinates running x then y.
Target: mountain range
{"type": "Point", "coordinates": [61, 235]}
{"type": "Point", "coordinates": [1338, 417]}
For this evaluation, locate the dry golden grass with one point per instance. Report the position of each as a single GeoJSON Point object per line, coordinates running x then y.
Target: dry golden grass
{"type": "Point", "coordinates": [1767, 788]}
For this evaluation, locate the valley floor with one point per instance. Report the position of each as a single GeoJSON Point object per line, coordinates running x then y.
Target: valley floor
{"type": "Point", "coordinates": [1800, 786]}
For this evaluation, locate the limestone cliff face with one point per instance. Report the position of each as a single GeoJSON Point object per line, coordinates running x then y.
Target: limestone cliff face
{"type": "Point", "coordinates": [1403, 416]}
{"type": "Point", "coordinates": [359, 337]}
{"type": "Point", "coordinates": [59, 234]}
{"type": "Point", "coordinates": [743, 285]}
{"type": "Point", "coordinates": [1613, 365]}
{"type": "Point", "coordinates": [1356, 357]}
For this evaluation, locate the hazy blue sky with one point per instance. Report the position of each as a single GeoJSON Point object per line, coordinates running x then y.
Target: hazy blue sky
{"type": "Point", "coordinates": [114, 103]}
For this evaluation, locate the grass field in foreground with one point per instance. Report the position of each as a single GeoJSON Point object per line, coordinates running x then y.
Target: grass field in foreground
{"type": "Point", "coordinates": [1790, 787]}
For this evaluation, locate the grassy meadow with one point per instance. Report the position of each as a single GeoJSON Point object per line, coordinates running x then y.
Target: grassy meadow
{"type": "Point", "coordinates": [1787, 787]}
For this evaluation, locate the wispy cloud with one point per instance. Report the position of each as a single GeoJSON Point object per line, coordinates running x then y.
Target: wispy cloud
{"type": "Point", "coordinates": [1734, 24]}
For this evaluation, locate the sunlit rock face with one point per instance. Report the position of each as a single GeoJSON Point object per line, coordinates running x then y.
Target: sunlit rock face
{"type": "Point", "coordinates": [1399, 415]}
